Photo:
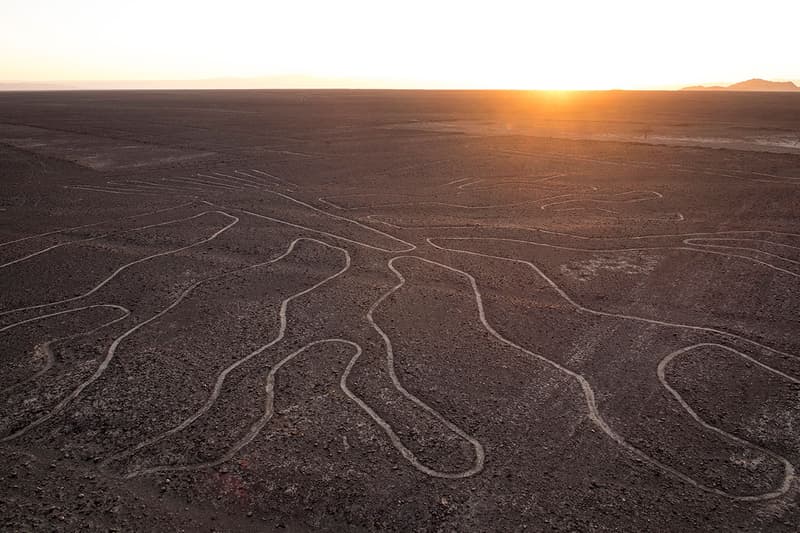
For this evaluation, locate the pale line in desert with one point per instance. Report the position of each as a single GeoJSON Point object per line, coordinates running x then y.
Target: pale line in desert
{"type": "Point", "coordinates": [183, 190]}
{"type": "Point", "coordinates": [328, 201]}
{"type": "Point", "coordinates": [517, 185]}
{"type": "Point", "coordinates": [227, 178]}
{"type": "Point", "coordinates": [409, 245]}
{"type": "Point", "coordinates": [61, 230]}
{"type": "Point", "coordinates": [107, 191]}
{"type": "Point", "coordinates": [60, 406]}
{"type": "Point", "coordinates": [583, 237]}
{"type": "Point", "coordinates": [672, 217]}
{"type": "Point", "coordinates": [184, 187]}
{"type": "Point", "coordinates": [299, 154]}
{"type": "Point", "coordinates": [477, 446]}
{"type": "Point", "coordinates": [128, 265]}
{"type": "Point", "coordinates": [638, 249]}
{"type": "Point", "coordinates": [226, 181]}
{"type": "Point", "coordinates": [317, 231]}
{"type": "Point", "coordinates": [567, 209]}
{"type": "Point", "coordinates": [605, 201]}
{"type": "Point", "coordinates": [772, 175]}
{"type": "Point", "coordinates": [160, 187]}
{"type": "Point", "coordinates": [506, 227]}
{"type": "Point", "coordinates": [338, 217]}
{"type": "Point", "coordinates": [261, 181]}
{"type": "Point", "coordinates": [726, 239]}
{"type": "Point", "coordinates": [503, 181]}
{"type": "Point", "coordinates": [251, 183]}
{"type": "Point", "coordinates": [222, 376]}
{"type": "Point", "coordinates": [473, 182]}
{"type": "Point", "coordinates": [455, 181]}
{"type": "Point", "coordinates": [398, 443]}
{"type": "Point", "coordinates": [329, 204]}
{"type": "Point", "coordinates": [214, 181]}
{"type": "Point", "coordinates": [104, 186]}
{"type": "Point", "coordinates": [205, 184]}
{"type": "Point", "coordinates": [677, 168]}
{"type": "Point", "coordinates": [113, 348]}
{"type": "Point", "coordinates": [788, 468]}
{"type": "Point", "coordinates": [46, 345]}
{"type": "Point", "coordinates": [757, 250]}
{"type": "Point", "coordinates": [277, 178]}
{"type": "Point", "coordinates": [90, 239]}
{"type": "Point", "coordinates": [136, 184]}
{"type": "Point", "coordinates": [460, 206]}
{"type": "Point", "coordinates": [593, 238]}
{"type": "Point", "coordinates": [256, 427]}
{"type": "Point", "coordinates": [201, 184]}
{"type": "Point", "coordinates": [580, 307]}
{"type": "Point", "coordinates": [589, 396]}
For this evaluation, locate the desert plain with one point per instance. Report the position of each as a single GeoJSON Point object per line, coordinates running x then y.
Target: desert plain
{"type": "Point", "coordinates": [399, 310]}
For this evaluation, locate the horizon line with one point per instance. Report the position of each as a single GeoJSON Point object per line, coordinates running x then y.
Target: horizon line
{"type": "Point", "coordinates": [312, 82]}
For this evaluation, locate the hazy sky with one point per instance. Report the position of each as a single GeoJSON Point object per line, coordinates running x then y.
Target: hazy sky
{"type": "Point", "coordinates": [550, 44]}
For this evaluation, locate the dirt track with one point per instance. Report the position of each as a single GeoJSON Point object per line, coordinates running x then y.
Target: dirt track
{"type": "Point", "coordinates": [398, 311]}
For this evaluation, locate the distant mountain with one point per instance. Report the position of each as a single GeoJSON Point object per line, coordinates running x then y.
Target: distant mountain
{"type": "Point", "coordinates": [756, 84]}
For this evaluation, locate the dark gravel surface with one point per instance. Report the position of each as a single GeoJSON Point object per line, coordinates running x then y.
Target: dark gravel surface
{"type": "Point", "coordinates": [347, 311]}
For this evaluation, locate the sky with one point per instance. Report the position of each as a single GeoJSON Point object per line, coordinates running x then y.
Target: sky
{"type": "Point", "coordinates": [552, 44]}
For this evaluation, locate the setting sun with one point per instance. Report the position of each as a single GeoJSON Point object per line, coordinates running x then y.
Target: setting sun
{"type": "Point", "coordinates": [416, 44]}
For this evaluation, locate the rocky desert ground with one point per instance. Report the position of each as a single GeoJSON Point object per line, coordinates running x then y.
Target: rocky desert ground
{"type": "Point", "coordinates": [428, 311]}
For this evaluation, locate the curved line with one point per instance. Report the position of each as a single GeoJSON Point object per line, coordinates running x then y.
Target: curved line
{"type": "Point", "coordinates": [721, 246]}
{"type": "Point", "coordinates": [600, 250]}
{"type": "Point", "coordinates": [222, 376]}
{"type": "Point", "coordinates": [277, 178]}
{"type": "Point", "coordinates": [201, 185]}
{"type": "Point", "coordinates": [238, 182]}
{"type": "Point", "coordinates": [113, 348]}
{"type": "Point", "coordinates": [605, 201]}
{"type": "Point", "coordinates": [591, 404]}
{"type": "Point", "coordinates": [154, 187]}
{"type": "Point", "coordinates": [645, 164]}
{"type": "Point", "coordinates": [580, 307]}
{"type": "Point", "coordinates": [788, 468]}
{"type": "Point", "coordinates": [89, 239]}
{"type": "Point", "coordinates": [338, 217]}
{"type": "Point", "coordinates": [328, 201]}
{"type": "Point", "coordinates": [46, 345]}
{"type": "Point", "coordinates": [241, 182]}
{"type": "Point", "coordinates": [496, 181]}
{"type": "Point", "coordinates": [128, 265]}
{"type": "Point", "coordinates": [408, 454]}
{"type": "Point", "coordinates": [581, 237]}
{"type": "Point", "coordinates": [255, 428]}
{"type": "Point", "coordinates": [444, 204]}
{"type": "Point", "coordinates": [322, 232]}
{"type": "Point", "coordinates": [107, 190]}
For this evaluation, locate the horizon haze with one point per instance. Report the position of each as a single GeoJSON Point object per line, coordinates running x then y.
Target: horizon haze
{"type": "Point", "coordinates": [618, 44]}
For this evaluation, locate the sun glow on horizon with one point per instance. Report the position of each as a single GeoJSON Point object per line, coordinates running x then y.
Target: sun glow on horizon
{"type": "Point", "coordinates": [501, 44]}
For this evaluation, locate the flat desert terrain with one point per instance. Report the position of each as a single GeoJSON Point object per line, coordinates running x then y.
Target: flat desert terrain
{"type": "Point", "coordinates": [427, 311]}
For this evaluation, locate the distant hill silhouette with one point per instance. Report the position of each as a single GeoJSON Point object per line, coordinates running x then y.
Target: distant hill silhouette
{"type": "Point", "coordinates": [756, 84]}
